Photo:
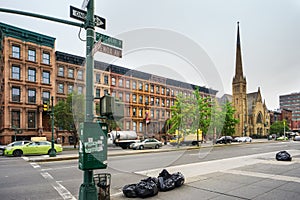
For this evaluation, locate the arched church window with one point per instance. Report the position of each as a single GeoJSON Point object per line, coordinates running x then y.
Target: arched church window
{"type": "Point", "coordinates": [259, 118]}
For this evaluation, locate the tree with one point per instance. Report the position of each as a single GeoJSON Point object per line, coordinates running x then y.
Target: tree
{"type": "Point", "coordinates": [217, 118]}
{"type": "Point", "coordinates": [69, 113]}
{"type": "Point", "coordinates": [230, 121]}
{"type": "Point", "coordinates": [278, 128]}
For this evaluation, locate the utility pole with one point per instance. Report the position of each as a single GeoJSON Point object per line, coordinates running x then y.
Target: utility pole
{"type": "Point", "coordinates": [52, 152]}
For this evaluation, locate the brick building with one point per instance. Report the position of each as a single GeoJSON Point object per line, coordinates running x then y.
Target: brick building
{"type": "Point", "coordinates": [292, 102]}
{"type": "Point", "coordinates": [31, 72]}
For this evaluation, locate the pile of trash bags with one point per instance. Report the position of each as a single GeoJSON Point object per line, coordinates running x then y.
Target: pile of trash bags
{"type": "Point", "coordinates": [149, 187]}
{"type": "Point", "coordinates": [283, 156]}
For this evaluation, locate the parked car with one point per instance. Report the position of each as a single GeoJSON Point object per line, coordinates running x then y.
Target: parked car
{"type": "Point", "coordinates": [32, 148]}
{"type": "Point", "coordinates": [244, 139]}
{"type": "Point", "coordinates": [16, 143]}
{"type": "Point", "coordinates": [224, 140]}
{"type": "Point", "coordinates": [282, 138]}
{"type": "Point", "coordinates": [147, 143]}
{"type": "Point", "coordinates": [297, 138]}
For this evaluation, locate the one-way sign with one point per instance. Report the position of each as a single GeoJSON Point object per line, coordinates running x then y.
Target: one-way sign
{"type": "Point", "coordinates": [79, 14]}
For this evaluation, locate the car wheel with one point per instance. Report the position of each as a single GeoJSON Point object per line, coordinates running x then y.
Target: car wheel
{"type": "Point", "coordinates": [141, 147]}
{"type": "Point", "coordinates": [156, 146]}
{"type": "Point", "coordinates": [17, 153]}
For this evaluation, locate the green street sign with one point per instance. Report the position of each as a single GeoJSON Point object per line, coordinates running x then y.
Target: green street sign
{"type": "Point", "coordinates": [109, 40]}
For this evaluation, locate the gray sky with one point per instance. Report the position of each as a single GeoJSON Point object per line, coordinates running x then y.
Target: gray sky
{"type": "Point", "coordinates": [202, 38]}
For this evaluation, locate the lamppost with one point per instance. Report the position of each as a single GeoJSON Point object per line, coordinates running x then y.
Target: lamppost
{"type": "Point", "coordinates": [52, 151]}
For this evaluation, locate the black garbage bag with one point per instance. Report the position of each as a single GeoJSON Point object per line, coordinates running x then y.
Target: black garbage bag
{"type": "Point", "coordinates": [178, 178]}
{"type": "Point", "coordinates": [283, 156]}
{"type": "Point", "coordinates": [165, 184]}
{"type": "Point", "coordinates": [146, 188]}
{"type": "Point", "coordinates": [129, 190]}
{"type": "Point", "coordinates": [165, 174]}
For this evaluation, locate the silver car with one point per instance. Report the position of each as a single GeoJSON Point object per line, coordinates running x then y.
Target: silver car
{"type": "Point", "coordinates": [147, 143]}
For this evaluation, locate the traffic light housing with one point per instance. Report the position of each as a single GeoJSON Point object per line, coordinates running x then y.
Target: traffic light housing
{"type": "Point", "coordinates": [45, 107]}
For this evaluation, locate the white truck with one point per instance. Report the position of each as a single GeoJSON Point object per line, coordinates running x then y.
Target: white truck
{"type": "Point", "coordinates": [122, 139]}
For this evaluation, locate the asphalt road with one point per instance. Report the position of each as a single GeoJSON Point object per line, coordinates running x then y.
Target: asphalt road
{"type": "Point", "coordinates": [62, 179]}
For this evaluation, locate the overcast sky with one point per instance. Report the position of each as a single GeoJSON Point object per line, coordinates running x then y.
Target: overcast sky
{"type": "Point", "coordinates": [192, 40]}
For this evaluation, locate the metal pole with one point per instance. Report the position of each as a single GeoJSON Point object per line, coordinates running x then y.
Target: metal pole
{"type": "Point", "coordinates": [52, 152]}
{"type": "Point", "coordinates": [88, 189]}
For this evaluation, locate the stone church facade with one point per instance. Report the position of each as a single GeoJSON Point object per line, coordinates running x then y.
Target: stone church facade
{"type": "Point", "coordinates": [251, 110]}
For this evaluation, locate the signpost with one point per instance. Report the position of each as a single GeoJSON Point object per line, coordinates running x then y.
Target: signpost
{"type": "Point", "coordinates": [81, 15]}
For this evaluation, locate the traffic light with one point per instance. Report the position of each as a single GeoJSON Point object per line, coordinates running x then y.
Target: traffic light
{"type": "Point", "coordinates": [45, 107]}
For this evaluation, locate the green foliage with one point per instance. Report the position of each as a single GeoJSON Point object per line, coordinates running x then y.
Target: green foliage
{"type": "Point", "coordinates": [278, 128]}
{"type": "Point", "coordinates": [230, 121]}
{"type": "Point", "coordinates": [69, 114]}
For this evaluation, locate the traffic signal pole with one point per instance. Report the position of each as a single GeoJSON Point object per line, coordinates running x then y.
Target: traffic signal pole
{"type": "Point", "coordinates": [88, 189]}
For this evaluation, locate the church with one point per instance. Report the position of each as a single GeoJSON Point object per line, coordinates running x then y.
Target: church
{"type": "Point", "coordinates": [250, 109]}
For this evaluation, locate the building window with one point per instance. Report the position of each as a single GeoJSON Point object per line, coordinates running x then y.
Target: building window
{"type": "Point", "coordinates": [31, 96]}
{"type": "Point", "coordinates": [98, 80]}
{"type": "Point", "coordinates": [70, 73]}
{"type": "Point", "coordinates": [31, 55]}
{"type": "Point", "coordinates": [106, 92]}
{"type": "Point", "coordinates": [127, 126]}
{"type": "Point", "coordinates": [16, 51]}
{"type": "Point", "coordinates": [46, 58]}
{"type": "Point", "coordinates": [134, 126]}
{"type": "Point", "coordinates": [133, 111]}
{"type": "Point", "coordinates": [106, 80]}
{"type": "Point", "coordinates": [134, 98]}
{"type": "Point", "coordinates": [113, 81]}
{"type": "Point", "coordinates": [146, 87]}
{"type": "Point", "coordinates": [140, 86]}
{"type": "Point", "coordinates": [147, 100]}
{"type": "Point", "coordinates": [60, 88]}
{"type": "Point", "coordinates": [157, 89]}
{"type": "Point", "coordinates": [162, 102]}
{"type": "Point", "coordinates": [31, 119]}
{"type": "Point", "coordinates": [80, 75]}
{"type": "Point", "coordinates": [16, 94]}
{"type": "Point", "coordinates": [46, 77]}
{"type": "Point", "coordinates": [46, 97]}
{"type": "Point", "coordinates": [157, 101]}
{"type": "Point", "coordinates": [168, 92]}
{"type": "Point", "coordinates": [157, 114]}
{"type": "Point", "coordinates": [127, 84]}
{"type": "Point", "coordinates": [141, 127]}
{"type": "Point", "coordinates": [162, 90]}
{"type": "Point", "coordinates": [152, 113]}
{"type": "Point", "coordinates": [70, 89]}
{"type": "Point", "coordinates": [152, 101]}
{"type": "Point", "coordinates": [121, 96]}
{"type": "Point", "coordinates": [127, 111]}
{"type": "Point", "coordinates": [120, 82]}
{"type": "Point", "coordinates": [15, 119]}
{"type": "Point", "coordinates": [16, 72]}
{"type": "Point", "coordinates": [140, 99]}
{"type": "Point", "coordinates": [134, 85]}
{"type": "Point", "coordinates": [168, 102]}
{"type": "Point", "coordinates": [80, 90]}
{"type": "Point", "coordinates": [113, 94]}
{"type": "Point", "coordinates": [98, 93]}
{"type": "Point", "coordinates": [61, 71]}
{"type": "Point", "coordinates": [31, 75]}
{"type": "Point", "coordinates": [152, 88]}
{"type": "Point", "coordinates": [127, 97]}
{"type": "Point", "coordinates": [140, 112]}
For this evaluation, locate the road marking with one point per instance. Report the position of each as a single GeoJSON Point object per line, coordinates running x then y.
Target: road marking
{"type": "Point", "coordinates": [263, 175]}
{"type": "Point", "coordinates": [58, 168]}
{"type": "Point", "coordinates": [46, 175]}
{"type": "Point", "coordinates": [34, 165]}
{"type": "Point", "coordinates": [62, 191]}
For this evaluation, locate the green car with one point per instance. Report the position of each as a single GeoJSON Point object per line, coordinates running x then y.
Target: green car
{"type": "Point", "coordinates": [32, 148]}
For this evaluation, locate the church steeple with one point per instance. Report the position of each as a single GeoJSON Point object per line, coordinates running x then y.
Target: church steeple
{"type": "Point", "coordinates": [239, 76]}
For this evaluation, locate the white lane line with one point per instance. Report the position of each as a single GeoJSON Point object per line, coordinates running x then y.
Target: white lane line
{"type": "Point", "coordinates": [58, 168]}
{"type": "Point", "coordinates": [263, 175]}
{"type": "Point", "coordinates": [46, 175]}
{"type": "Point", "coordinates": [34, 165]}
{"type": "Point", "coordinates": [63, 192]}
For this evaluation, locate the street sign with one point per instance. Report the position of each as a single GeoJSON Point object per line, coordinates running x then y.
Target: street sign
{"type": "Point", "coordinates": [109, 40]}
{"type": "Point", "coordinates": [107, 49]}
{"type": "Point", "coordinates": [79, 14]}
